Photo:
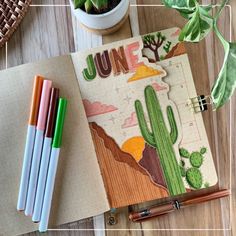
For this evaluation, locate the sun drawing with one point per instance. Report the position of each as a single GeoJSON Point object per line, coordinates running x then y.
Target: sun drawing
{"type": "Point", "coordinates": [134, 146]}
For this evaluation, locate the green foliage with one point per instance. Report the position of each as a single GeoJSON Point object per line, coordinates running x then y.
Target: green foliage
{"type": "Point", "coordinates": [184, 153]}
{"type": "Point", "coordinates": [206, 185]}
{"type": "Point", "coordinates": [100, 4]}
{"type": "Point", "coordinates": [194, 178]}
{"type": "Point", "coordinates": [79, 3]}
{"type": "Point", "coordinates": [167, 47]}
{"type": "Point", "coordinates": [187, 7]}
{"type": "Point", "coordinates": [225, 84]}
{"type": "Point", "coordinates": [88, 6]}
{"type": "Point", "coordinates": [91, 4]}
{"type": "Point", "coordinates": [196, 159]}
{"type": "Point", "coordinates": [200, 23]}
{"type": "Point", "coordinates": [160, 138]}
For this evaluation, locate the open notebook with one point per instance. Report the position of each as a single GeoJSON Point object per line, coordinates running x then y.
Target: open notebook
{"type": "Point", "coordinates": [128, 138]}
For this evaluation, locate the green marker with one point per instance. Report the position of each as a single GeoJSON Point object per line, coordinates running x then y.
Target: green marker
{"type": "Point", "coordinates": [52, 169]}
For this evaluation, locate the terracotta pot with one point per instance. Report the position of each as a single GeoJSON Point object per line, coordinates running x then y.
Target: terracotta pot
{"type": "Point", "coordinates": [103, 23]}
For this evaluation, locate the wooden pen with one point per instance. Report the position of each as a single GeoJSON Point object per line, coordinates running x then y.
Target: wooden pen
{"type": "Point", "coordinates": [175, 205]}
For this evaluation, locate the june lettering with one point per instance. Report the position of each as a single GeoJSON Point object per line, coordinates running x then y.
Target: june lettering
{"type": "Point", "coordinates": [121, 60]}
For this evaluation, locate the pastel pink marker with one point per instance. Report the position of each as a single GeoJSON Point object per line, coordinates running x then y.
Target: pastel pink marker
{"type": "Point", "coordinates": [43, 109]}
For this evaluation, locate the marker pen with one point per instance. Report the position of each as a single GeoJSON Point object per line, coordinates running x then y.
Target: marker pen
{"type": "Point", "coordinates": [43, 109]}
{"type": "Point", "coordinates": [43, 225]}
{"type": "Point", "coordinates": [37, 89]}
{"type": "Point", "coordinates": [51, 120]}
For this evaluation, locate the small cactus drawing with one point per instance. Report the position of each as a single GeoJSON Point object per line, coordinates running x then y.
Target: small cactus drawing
{"type": "Point", "coordinates": [167, 46]}
{"type": "Point", "coordinates": [161, 139]}
{"type": "Point", "coordinates": [196, 159]}
{"type": "Point", "coordinates": [193, 175]}
{"type": "Point", "coordinates": [194, 178]}
{"type": "Point", "coordinates": [184, 153]}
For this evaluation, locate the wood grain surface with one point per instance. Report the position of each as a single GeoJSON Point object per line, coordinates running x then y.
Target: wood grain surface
{"type": "Point", "coordinates": [51, 31]}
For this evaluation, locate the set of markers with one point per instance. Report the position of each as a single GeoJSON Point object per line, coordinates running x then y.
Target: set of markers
{"type": "Point", "coordinates": [42, 149]}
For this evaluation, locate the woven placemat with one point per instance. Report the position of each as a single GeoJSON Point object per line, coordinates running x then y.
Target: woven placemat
{"type": "Point", "coordinates": [11, 14]}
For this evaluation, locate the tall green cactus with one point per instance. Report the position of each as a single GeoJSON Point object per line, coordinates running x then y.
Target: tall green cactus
{"type": "Point", "coordinates": [161, 138]}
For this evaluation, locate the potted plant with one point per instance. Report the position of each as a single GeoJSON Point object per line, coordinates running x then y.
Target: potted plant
{"type": "Point", "coordinates": [101, 16]}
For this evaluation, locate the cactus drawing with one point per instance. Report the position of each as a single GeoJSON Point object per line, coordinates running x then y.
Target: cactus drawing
{"type": "Point", "coordinates": [193, 175]}
{"type": "Point", "coordinates": [161, 138]}
{"type": "Point", "coordinates": [194, 178]}
{"type": "Point", "coordinates": [167, 46]}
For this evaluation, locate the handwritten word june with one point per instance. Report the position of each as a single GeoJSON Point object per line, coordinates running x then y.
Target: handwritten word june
{"type": "Point", "coordinates": [122, 60]}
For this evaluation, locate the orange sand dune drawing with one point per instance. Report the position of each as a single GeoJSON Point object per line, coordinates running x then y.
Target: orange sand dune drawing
{"type": "Point", "coordinates": [143, 72]}
{"type": "Point", "coordinates": [97, 108]}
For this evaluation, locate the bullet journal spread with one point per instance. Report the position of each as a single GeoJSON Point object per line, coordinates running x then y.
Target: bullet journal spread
{"type": "Point", "coordinates": [129, 136]}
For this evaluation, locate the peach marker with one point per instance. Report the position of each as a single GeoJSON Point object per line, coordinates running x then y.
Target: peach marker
{"type": "Point", "coordinates": [43, 110]}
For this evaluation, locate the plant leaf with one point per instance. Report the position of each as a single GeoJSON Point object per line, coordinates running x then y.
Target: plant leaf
{"type": "Point", "coordinates": [199, 25]}
{"type": "Point", "coordinates": [88, 6]}
{"type": "Point", "coordinates": [184, 6]}
{"type": "Point", "coordinates": [79, 3]}
{"type": "Point", "coordinates": [100, 4]}
{"type": "Point", "coordinates": [225, 84]}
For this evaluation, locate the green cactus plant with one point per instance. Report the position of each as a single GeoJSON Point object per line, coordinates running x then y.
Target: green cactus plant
{"type": "Point", "coordinates": [161, 138]}
{"type": "Point", "coordinates": [193, 175]}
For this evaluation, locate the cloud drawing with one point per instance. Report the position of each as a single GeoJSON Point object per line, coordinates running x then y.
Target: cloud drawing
{"type": "Point", "coordinates": [143, 72]}
{"type": "Point", "coordinates": [176, 33]}
{"type": "Point", "coordinates": [158, 87]}
{"type": "Point", "coordinates": [130, 121]}
{"type": "Point", "coordinates": [97, 108]}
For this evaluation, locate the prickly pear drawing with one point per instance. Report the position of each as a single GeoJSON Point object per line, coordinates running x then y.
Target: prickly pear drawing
{"type": "Point", "coordinates": [194, 178]}
{"type": "Point", "coordinates": [193, 175]}
{"type": "Point", "coordinates": [161, 138]}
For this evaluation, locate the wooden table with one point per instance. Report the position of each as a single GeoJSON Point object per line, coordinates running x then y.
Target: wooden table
{"type": "Point", "coordinates": [49, 31]}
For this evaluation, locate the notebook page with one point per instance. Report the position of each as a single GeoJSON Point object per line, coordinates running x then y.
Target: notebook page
{"type": "Point", "coordinates": [121, 85]}
{"type": "Point", "coordinates": [79, 191]}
